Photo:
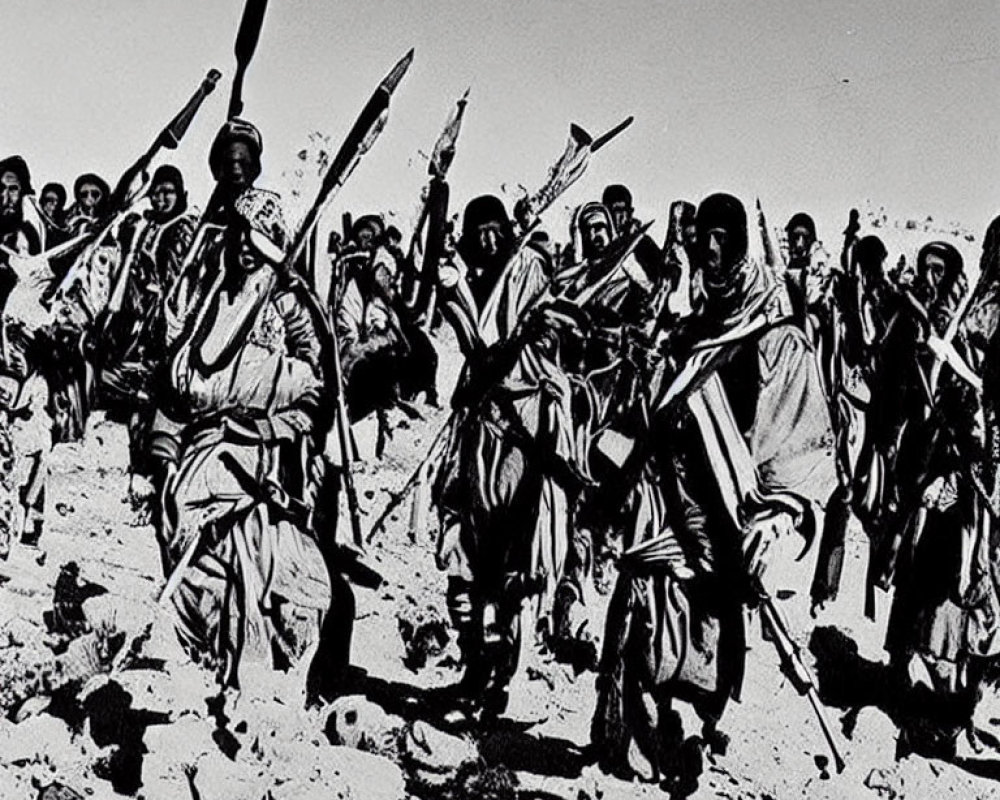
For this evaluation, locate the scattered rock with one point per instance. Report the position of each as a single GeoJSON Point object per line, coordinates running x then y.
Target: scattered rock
{"type": "Point", "coordinates": [424, 632]}
{"type": "Point", "coordinates": [885, 783]}
{"type": "Point", "coordinates": [358, 723]}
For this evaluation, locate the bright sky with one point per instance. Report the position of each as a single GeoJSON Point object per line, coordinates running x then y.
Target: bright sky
{"type": "Point", "coordinates": [814, 106]}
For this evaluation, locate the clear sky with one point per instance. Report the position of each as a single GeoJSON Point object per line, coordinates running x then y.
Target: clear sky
{"type": "Point", "coordinates": [814, 106]}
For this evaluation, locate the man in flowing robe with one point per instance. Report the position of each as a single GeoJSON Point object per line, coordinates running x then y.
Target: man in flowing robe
{"type": "Point", "coordinates": [743, 453]}
{"type": "Point", "coordinates": [25, 394]}
{"type": "Point", "coordinates": [18, 238]}
{"type": "Point", "coordinates": [617, 199]}
{"type": "Point", "coordinates": [617, 297]}
{"type": "Point", "coordinates": [128, 342]}
{"type": "Point", "coordinates": [503, 488]}
{"type": "Point", "coordinates": [817, 292]}
{"type": "Point", "coordinates": [601, 270]}
{"type": "Point", "coordinates": [245, 385]}
{"type": "Point", "coordinates": [386, 358]}
{"type": "Point", "coordinates": [942, 627]}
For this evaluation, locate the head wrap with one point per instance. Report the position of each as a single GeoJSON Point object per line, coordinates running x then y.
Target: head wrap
{"type": "Point", "coordinates": [868, 255]}
{"type": "Point", "coordinates": [235, 130]}
{"type": "Point", "coordinates": [726, 212]}
{"type": "Point", "coordinates": [616, 193]}
{"type": "Point", "coordinates": [584, 212]}
{"type": "Point", "coordinates": [372, 222]}
{"type": "Point", "coordinates": [801, 220]}
{"type": "Point", "coordinates": [58, 190]}
{"type": "Point", "coordinates": [686, 211]}
{"type": "Point", "coordinates": [19, 167]}
{"type": "Point", "coordinates": [95, 180]}
{"type": "Point", "coordinates": [261, 211]}
{"type": "Point", "coordinates": [735, 296]}
{"type": "Point", "coordinates": [168, 173]}
{"type": "Point", "coordinates": [952, 287]}
{"type": "Point", "coordinates": [480, 211]}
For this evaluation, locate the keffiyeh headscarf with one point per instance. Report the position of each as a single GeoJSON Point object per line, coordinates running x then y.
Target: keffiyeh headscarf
{"type": "Point", "coordinates": [942, 299]}
{"type": "Point", "coordinates": [743, 287]}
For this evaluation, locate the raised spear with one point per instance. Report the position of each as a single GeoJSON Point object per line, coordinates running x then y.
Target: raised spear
{"type": "Point", "coordinates": [427, 242]}
{"type": "Point", "coordinates": [169, 138]}
{"type": "Point", "coordinates": [246, 45]}
{"type": "Point", "coordinates": [361, 137]}
{"type": "Point", "coordinates": [569, 168]}
{"type": "Point", "coordinates": [359, 140]}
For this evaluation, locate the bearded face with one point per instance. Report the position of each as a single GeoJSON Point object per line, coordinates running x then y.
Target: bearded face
{"type": "Point", "coordinates": [596, 234]}
{"type": "Point", "coordinates": [10, 195]}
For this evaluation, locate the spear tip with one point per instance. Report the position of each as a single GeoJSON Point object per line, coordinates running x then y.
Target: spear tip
{"type": "Point", "coordinates": [396, 74]}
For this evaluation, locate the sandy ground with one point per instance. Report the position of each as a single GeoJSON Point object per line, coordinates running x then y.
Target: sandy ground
{"type": "Point", "coordinates": [159, 729]}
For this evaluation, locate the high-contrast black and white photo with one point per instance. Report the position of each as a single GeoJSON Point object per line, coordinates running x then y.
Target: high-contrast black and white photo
{"type": "Point", "coordinates": [499, 400]}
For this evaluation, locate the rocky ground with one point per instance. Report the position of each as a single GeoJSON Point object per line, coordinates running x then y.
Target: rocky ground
{"type": "Point", "coordinates": [121, 711]}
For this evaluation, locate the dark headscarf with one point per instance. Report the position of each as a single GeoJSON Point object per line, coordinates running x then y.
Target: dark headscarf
{"type": "Point", "coordinates": [743, 290]}
{"type": "Point", "coordinates": [373, 223]}
{"type": "Point", "coordinates": [949, 292]}
{"type": "Point", "coordinates": [19, 167]}
{"type": "Point", "coordinates": [726, 212]}
{"type": "Point", "coordinates": [236, 130]}
{"type": "Point", "coordinates": [616, 193]}
{"type": "Point", "coordinates": [480, 211]}
{"type": "Point", "coordinates": [168, 173]}
{"type": "Point", "coordinates": [96, 180]}
{"type": "Point", "coordinates": [801, 220]}
{"type": "Point", "coordinates": [868, 255]}
{"type": "Point", "coordinates": [58, 190]}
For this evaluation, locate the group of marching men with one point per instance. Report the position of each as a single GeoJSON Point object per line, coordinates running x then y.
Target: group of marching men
{"type": "Point", "coordinates": [598, 410]}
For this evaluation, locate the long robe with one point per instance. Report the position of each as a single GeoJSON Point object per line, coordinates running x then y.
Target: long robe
{"type": "Point", "coordinates": [747, 410]}
{"type": "Point", "coordinates": [257, 584]}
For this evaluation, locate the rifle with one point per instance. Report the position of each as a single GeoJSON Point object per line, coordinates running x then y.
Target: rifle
{"type": "Point", "coordinates": [362, 136]}
{"type": "Point", "coordinates": [283, 506]}
{"type": "Point", "coordinates": [125, 193]}
{"type": "Point", "coordinates": [434, 213]}
{"type": "Point", "coordinates": [169, 138]}
{"type": "Point", "coordinates": [414, 480]}
{"type": "Point", "coordinates": [796, 669]}
{"type": "Point", "coordinates": [770, 255]}
{"type": "Point", "coordinates": [247, 37]}
{"type": "Point", "coordinates": [569, 168]}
